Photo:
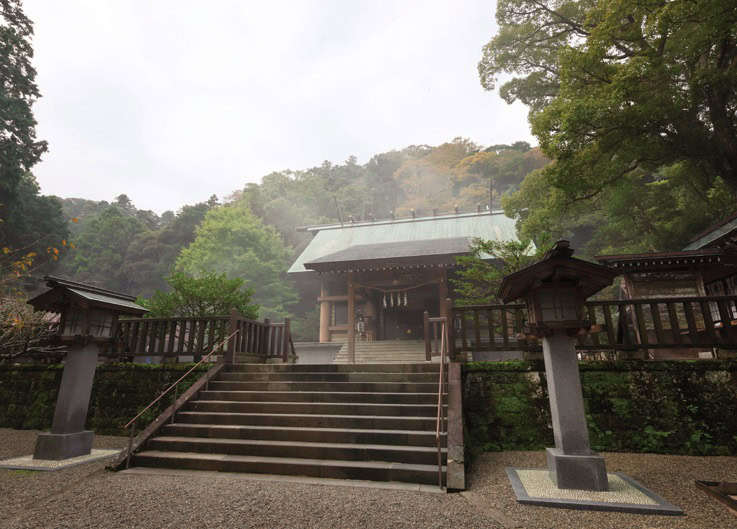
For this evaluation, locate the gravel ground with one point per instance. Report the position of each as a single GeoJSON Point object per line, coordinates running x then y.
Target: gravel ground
{"type": "Point", "coordinates": [672, 477]}
{"type": "Point", "coordinates": [89, 496]}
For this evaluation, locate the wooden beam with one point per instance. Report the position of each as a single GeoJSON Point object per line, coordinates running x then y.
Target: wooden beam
{"type": "Point", "coordinates": [332, 298]}
{"type": "Point", "coordinates": [443, 292]}
{"type": "Point", "coordinates": [351, 321]}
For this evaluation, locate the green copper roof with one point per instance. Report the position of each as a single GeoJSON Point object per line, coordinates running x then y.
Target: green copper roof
{"type": "Point", "coordinates": [336, 238]}
{"type": "Point", "coordinates": [715, 235]}
{"type": "Point", "coordinates": [109, 300]}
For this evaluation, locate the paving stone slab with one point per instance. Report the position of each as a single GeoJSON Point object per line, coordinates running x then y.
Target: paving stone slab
{"type": "Point", "coordinates": [536, 487]}
{"type": "Point", "coordinates": [28, 463]}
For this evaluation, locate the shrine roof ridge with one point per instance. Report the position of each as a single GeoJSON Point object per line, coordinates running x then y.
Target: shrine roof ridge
{"type": "Point", "coordinates": [397, 220]}
{"type": "Point", "coordinates": [404, 238]}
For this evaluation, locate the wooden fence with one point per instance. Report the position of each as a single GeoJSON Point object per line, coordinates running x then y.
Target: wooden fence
{"type": "Point", "coordinates": [629, 325]}
{"type": "Point", "coordinates": [167, 337]}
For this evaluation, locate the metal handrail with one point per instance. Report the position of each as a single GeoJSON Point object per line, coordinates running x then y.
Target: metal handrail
{"type": "Point", "coordinates": [441, 388]}
{"type": "Point", "coordinates": [173, 404]}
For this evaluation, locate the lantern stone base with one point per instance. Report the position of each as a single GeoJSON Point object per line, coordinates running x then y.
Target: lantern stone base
{"type": "Point", "coordinates": [57, 446]}
{"type": "Point", "coordinates": [580, 472]}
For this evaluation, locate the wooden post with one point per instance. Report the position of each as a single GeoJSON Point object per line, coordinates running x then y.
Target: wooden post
{"type": "Point", "coordinates": [232, 323]}
{"type": "Point", "coordinates": [324, 313]}
{"type": "Point", "coordinates": [266, 342]}
{"type": "Point", "coordinates": [443, 293]}
{"type": "Point", "coordinates": [351, 321]}
{"type": "Point", "coordinates": [428, 352]}
{"type": "Point", "coordinates": [285, 341]}
{"type": "Point", "coordinates": [451, 330]}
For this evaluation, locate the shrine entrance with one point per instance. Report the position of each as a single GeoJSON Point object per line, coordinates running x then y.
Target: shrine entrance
{"type": "Point", "coordinates": [405, 320]}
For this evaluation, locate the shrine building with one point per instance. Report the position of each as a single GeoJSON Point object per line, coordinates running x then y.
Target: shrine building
{"type": "Point", "coordinates": [376, 278]}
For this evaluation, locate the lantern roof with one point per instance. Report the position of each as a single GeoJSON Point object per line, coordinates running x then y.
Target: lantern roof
{"type": "Point", "coordinates": [557, 267]}
{"type": "Point", "coordinates": [63, 292]}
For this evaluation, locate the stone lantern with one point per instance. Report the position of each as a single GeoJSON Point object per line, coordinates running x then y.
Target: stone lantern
{"type": "Point", "coordinates": [555, 290]}
{"type": "Point", "coordinates": [89, 317]}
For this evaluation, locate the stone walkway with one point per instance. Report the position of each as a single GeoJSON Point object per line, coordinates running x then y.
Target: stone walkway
{"type": "Point", "coordinates": [89, 496]}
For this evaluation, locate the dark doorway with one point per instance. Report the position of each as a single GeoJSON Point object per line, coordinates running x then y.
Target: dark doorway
{"type": "Point", "coordinates": [407, 323]}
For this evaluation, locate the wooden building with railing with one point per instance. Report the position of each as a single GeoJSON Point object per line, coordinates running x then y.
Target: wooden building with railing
{"type": "Point", "coordinates": [377, 278]}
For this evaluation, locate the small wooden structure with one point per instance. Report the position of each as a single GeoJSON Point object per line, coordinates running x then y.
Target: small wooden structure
{"type": "Point", "coordinates": [113, 322]}
{"type": "Point", "coordinates": [89, 317]}
{"type": "Point", "coordinates": [556, 289]}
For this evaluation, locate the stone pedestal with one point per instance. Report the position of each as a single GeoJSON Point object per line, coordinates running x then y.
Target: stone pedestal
{"type": "Point", "coordinates": [68, 437]}
{"type": "Point", "coordinates": [571, 463]}
{"type": "Point", "coordinates": [584, 472]}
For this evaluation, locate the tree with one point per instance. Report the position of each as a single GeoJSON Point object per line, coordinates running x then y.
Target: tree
{"type": "Point", "coordinates": [209, 294]}
{"type": "Point", "coordinates": [19, 148]}
{"type": "Point", "coordinates": [478, 278]}
{"type": "Point", "coordinates": [233, 241]}
{"type": "Point", "coordinates": [503, 165]}
{"type": "Point", "coordinates": [24, 331]}
{"type": "Point", "coordinates": [152, 254]}
{"type": "Point", "coordinates": [101, 249]}
{"type": "Point", "coordinates": [428, 182]}
{"type": "Point", "coordinates": [306, 328]}
{"type": "Point", "coordinates": [620, 91]}
{"type": "Point", "coordinates": [33, 238]}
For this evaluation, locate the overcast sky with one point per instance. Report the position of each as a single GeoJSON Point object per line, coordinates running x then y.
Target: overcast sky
{"type": "Point", "coordinates": [172, 101]}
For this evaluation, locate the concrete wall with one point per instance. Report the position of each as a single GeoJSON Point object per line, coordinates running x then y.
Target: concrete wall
{"type": "Point", "coordinates": [316, 353]}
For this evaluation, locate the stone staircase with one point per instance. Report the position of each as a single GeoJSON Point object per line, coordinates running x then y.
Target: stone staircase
{"type": "Point", "coordinates": [384, 352]}
{"type": "Point", "coordinates": [361, 422]}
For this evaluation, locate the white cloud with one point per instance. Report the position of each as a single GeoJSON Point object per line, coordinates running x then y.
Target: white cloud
{"type": "Point", "coordinates": [171, 101]}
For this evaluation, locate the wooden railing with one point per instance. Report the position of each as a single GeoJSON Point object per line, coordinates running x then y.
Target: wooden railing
{"type": "Point", "coordinates": [434, 336]}
{"type": "Point", "coordinates": [168, 337]}
{"type": "Point", "coordinates": [488, 327]}
{"type": "Point", "coordinates": [441, 420]}
{"type": "Point", "coordinates": [663, 323]}
{"type": "Point", "coordinates": [706, 322]}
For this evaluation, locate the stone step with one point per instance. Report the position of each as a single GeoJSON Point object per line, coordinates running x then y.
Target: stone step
{"type": "Point", "coordinates": [310, 421]}
{"type": "Point", "coordinates": [315, 408]}
{"type": "Point", "coordinates": [367, 387]}
{"type": "Point", "coordinates": [375, 359]}
{"type": "Point", "coordinates": [418, 455]}
{"type": "Point", "coordinates": [387, 347]}
{"type": "Point", "coordinates": [359, 360]}
{"type": "Point", "coordinates": [394, 367]}
{"type": "Point", "coordinates": [318, 468]}
{"type": "Point", "coordinates": [316, 376]}
{"type": "Point", "coordinates": [377, 344]}
{"type": "Point", "coordinates": [321, 396]}
{"type": "Point", "coordinates": [385, 352]}
{"type": "Point", "coordinates": [317, 435]}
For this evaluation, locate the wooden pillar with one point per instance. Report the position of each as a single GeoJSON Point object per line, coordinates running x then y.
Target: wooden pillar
{"type": "Point", "coordinates": [351, 321]}
{"type": "Point", "coordinates": [324, 313]}
{"type": "Point", "coordinates": [285, 341]}
{"type": "Point", "coordinates": [232, 340]}
{"type": "Point", "coordinates": [701, 288]}
{"type": "Point", "coordinates": [443, 292]}
{"type": "Point", "coordinates": [450, 329]}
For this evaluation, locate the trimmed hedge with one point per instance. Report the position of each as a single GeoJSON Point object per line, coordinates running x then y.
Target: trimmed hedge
{"type": "Point", "coordinates": [28, 394]}
{"type": "Point", "coordinates": [675, 407]}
